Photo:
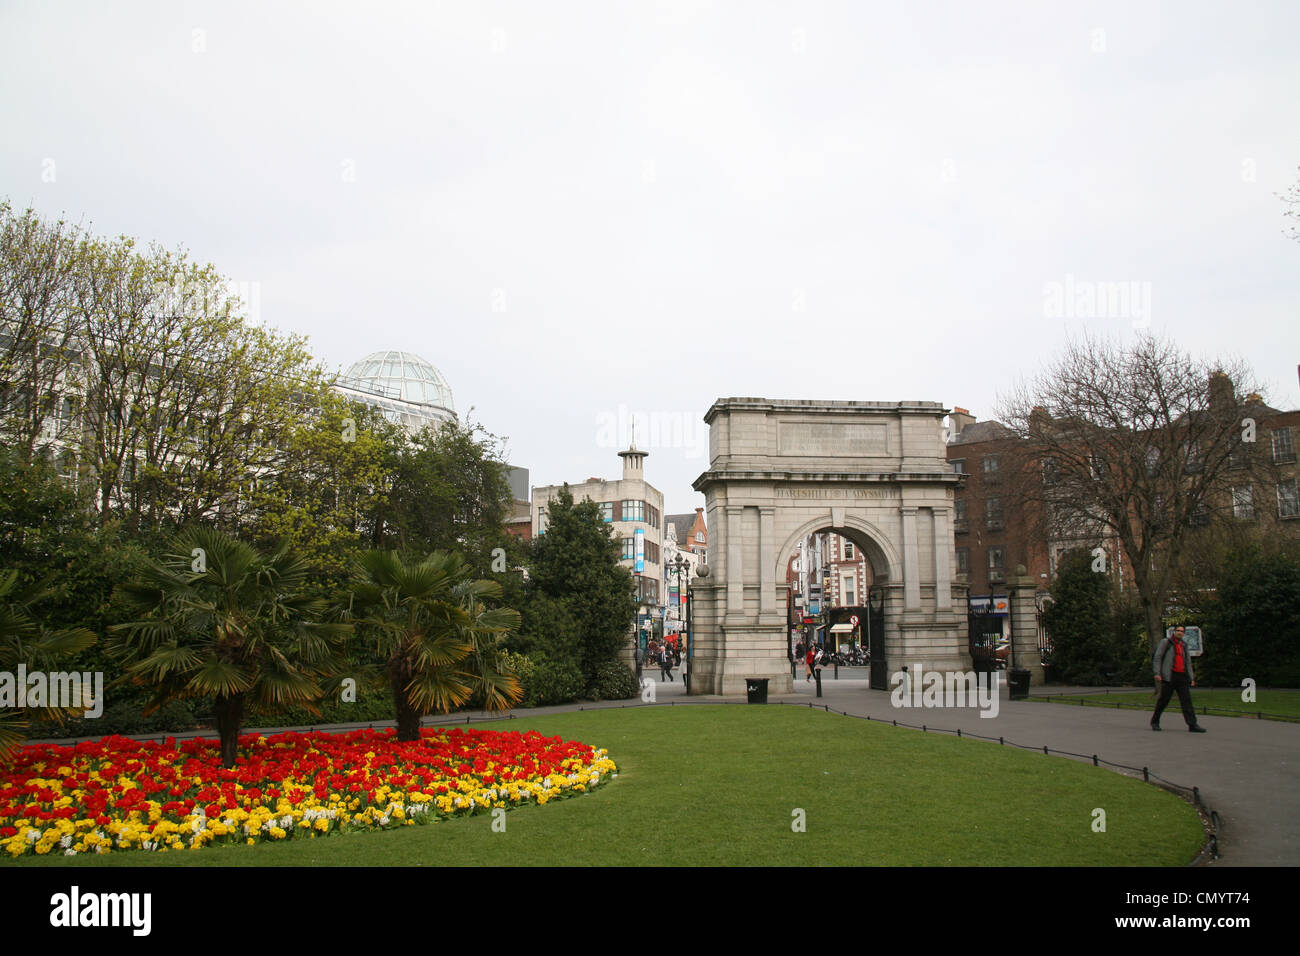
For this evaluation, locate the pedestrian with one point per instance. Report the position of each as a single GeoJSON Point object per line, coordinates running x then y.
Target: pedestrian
{"type": "Point", "coordinates": [809, 660]}
{"type": "Point", "coordinates": [1173, 672]}
{"type": "Point", "coordinates": [665, 663]}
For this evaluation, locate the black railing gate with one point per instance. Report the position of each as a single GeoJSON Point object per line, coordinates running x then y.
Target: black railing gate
{"type": "Point", "coordinates": [876, 638]}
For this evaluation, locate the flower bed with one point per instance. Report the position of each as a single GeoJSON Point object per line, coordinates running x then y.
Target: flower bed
{"type": "Point", "coordinates": [118, 793]}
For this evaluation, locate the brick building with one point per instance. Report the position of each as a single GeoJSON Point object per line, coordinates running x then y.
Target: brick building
{"type": "Point", "coordinates": [993, 529]}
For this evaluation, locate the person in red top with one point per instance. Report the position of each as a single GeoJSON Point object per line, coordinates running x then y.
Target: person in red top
{"type": "Point", "coordinates": [1173, 672]}
{"type": "Point", "coordinates": [810, 659]}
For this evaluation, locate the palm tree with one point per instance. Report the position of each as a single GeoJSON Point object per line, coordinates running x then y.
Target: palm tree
{"type": "Point", "coordinates": [25, 641]}
{"type": "Point", "coordinates": [437, 639]}
{"type": "Point", "coordinates": [220, 619]}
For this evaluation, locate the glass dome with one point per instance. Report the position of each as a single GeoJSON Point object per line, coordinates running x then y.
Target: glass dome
{"type": "Point", "coordinates": [400, 375]}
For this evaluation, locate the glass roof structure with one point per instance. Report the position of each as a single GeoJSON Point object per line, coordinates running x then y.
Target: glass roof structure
{"type": "Point", "coordinates": [403, 386]}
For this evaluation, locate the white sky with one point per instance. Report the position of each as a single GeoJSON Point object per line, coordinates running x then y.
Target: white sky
{"type": "Point", "coordinates": [570, 208]}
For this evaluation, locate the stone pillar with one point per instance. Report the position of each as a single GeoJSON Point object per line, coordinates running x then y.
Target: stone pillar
{"type": "Point", "coordinates": [767, 545]}
{"type": "Point", "coordinates": [911, 571]}
{"type": "Point", "coordinates": [1024, 625]}
{"type": "Point", "coordinates": [943, 545]}
{"type": "Point", "coordinates": [735, 574]}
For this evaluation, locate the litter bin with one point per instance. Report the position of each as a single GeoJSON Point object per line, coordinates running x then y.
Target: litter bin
{"type": "Point", "coordinates": [1018, 682]}
{"type": "Point", "coordinates": [756, 689]}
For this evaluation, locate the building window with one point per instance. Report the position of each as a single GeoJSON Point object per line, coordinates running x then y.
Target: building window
{"type": "Point", "coordinates": [1097, 467]}
{"type": "Point", "coordinates": [1243, 503]}
{"type": "Point", "coordinates": [699, 536]}
{"type": "Point", "coordinates": [959, 466]}
{"type": "Point", "coordinates": [652, 552]}
{"type": "Point", "coordinates": [1152, 462]}
{"type": "Point", "coordinates": [846, 588]}
{"type": "Point", "coordinates": [1200, 515]}
{"type": "Point", "coordinates": [990, 468]}
{"type": "Point", "coordinates": [1239, 457]}
{"type": "Point", "coordinates": [959, 516]}
{"type": "Point", "coordinates": [607, 511]}
{"type": "Point", "coordinates": [993, 513]}
{"type": "Point", "coordinates": [963, 560]}
{"type": "Point", "coordinates": [997, 560]}
{"type": "Point", "coordinates": [1288, 499]}
{"type": "Point", "coordinates": [541, 520]}
{"type": "Point", "coordinates": [652, 516]}
{"type": "Point", "coordinates": [634, 511]}
{"type": "Point", "coordinates": [1283, 450]}
{"type": "Point", "coordinates": [629, 549]}
{"type": "Point", "coordinates": [1051, 471]}
{"type": "Point", "coordinates": [1195, 460]}
{"type": "Point", "coordinates": [848, 550]}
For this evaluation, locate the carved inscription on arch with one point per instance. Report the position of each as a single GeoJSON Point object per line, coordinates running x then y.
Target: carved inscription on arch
{"type": "Point", "coordinates": [832, 439]}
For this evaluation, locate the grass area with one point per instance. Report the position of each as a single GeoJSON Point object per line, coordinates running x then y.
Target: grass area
{"type": "Point", "coordinates": [718, 786]}
{"type": "Point", "coordinates": [1272, 704]}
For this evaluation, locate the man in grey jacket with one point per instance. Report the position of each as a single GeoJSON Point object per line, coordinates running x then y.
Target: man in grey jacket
{"type": "Point", "coordinates": [1173, 671]}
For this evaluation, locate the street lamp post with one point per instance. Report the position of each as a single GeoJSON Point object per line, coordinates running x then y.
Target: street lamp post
{"type": "Point", "coordinates": [701, 571]}
{"type": "Point", "coordinates": [680, 567]}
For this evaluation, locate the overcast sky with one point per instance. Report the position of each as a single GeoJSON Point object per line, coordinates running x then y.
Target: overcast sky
{"type": "Point", "coordinates": [571, 208]}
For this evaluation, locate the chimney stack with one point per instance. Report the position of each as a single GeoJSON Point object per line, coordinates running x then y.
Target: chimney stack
{"type": "Point", "coordinates": [958, 419]}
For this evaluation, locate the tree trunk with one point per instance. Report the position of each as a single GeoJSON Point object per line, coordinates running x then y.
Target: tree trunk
{"type": "Point", "coordinates": [1155, 631]}
{"type": "Point", "coordinates": [408, 718]}
{"type": "Point", "coordinates": [230, 717]}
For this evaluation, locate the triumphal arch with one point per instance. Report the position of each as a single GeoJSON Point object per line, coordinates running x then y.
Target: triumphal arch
{"type": "Point", "coordinates": [873, 472]}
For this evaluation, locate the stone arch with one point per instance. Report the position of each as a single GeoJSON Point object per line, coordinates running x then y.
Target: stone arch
{"type": "Point", "coordinates": [886, 563]}
{"type": "Point", "coordinates": [875, 473]}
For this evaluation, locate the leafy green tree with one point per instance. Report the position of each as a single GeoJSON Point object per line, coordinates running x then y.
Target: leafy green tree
{"type": "Point", "coordinates": [1088, 641]}
{"type": "Point", "coordinates": [38, 264]}
{"type": "Point", "coordinates": [577, 562]}
{"type": "Point", "coordinates": [25, 640]}
{"type": "Point", "coordinates": [437, 639]}
{"type": "Point", "coordinates": [217, 618]}
{"type": "Point", "coordinates": [331, 499]}
{"type": "Point", "coordinates": [1253, 630]}
{"type": "Point", "coordinates": [450, 492]}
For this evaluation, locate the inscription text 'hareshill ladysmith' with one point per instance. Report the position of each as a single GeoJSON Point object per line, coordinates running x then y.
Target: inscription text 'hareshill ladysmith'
{"type": "Point", "coordinates": [832, 439]}
{"type": "Point", "coordinates": [835, 492]}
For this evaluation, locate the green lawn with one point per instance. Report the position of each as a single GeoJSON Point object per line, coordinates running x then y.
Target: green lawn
{"type": "Point", "coordinates": [1274, 704]}
{"type": "Point", "coordinates": [718, 785]}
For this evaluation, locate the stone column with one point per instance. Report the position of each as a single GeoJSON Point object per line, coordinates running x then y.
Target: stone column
{"type": "Point", "coordinates": [735, 574]}
{"type": "Point", "coordinates": [943, 545]}
{"type": "Point", "coordinates": [1024, 625]}
{"type": "Point", "coordinates": [911, 571]}
{"type": "Point", "coordinates": [767, 561]}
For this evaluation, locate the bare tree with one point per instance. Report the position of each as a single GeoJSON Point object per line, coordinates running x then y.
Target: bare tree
{"type": "Point", "coordinates": [1291, 199]}
{"type": "Point", "coordinates": [1128, 449]}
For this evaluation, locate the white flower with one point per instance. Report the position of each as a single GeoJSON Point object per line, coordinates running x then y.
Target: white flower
{"type": "Point", "coordinates": [69, 852]}
{"type": "Point", "coordinates": [66, 841]}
